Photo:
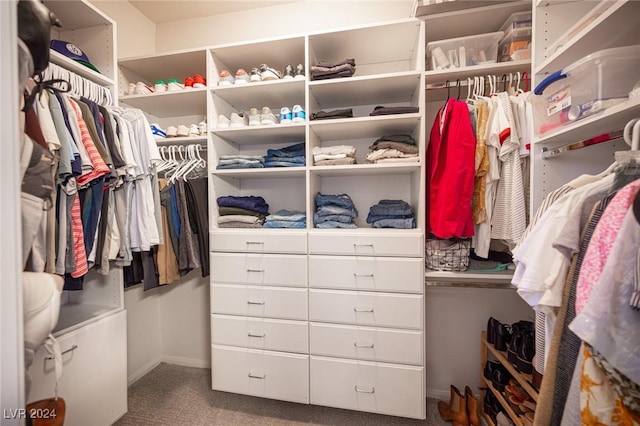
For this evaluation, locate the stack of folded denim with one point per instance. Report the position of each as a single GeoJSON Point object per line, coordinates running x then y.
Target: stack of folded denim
{"type": "Point", "coordinates": [393, 149]}
{"type": "Point", "coordinates": [242, 212]}
{"type": "Point", "coordinates": [334, 155]}
{"type": "Point", "coordinates": [286, 219]}
{"type": "Point", "coordinates": [334, 211]}
{"type": "Point", "coordinates": [290, 156]}
{"type": "Point", "coordinates": [240, 161]}
{"type": "Point", "coordinates": [323, 70]}
{"type": "Point", "coordinates": [391, 214]}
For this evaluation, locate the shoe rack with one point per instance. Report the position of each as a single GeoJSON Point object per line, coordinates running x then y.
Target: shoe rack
{"type": "Point", "coordinates": [524, 380]}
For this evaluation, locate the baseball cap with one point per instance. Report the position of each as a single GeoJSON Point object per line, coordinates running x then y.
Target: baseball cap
{"type": "Point", "coordinates": [72, 51]}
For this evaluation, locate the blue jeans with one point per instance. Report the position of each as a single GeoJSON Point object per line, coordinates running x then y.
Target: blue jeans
{"type": "Point", "coordinates": [409, 223]}
{"type": "Point", "coordinates": [280, 163]}
{"type": "Point", "coordinates": [371, 218]}
{"type": "Point", "coordinates": [284, 224]}
{"type": "Point", "coordinates": [344, 218]}
{"type": "Point", "coordinates": [335, 210]}
{"type": "Point", "coordinates": [331, 224]}
{"type": "Point", "coordinates": [391, 208]}
{"type": "Point", "coordinates": [289, 151]}
{"type": "Point", "coordinates": [342, 200]}
{"type": "Point", "coordinates": [288, 215]}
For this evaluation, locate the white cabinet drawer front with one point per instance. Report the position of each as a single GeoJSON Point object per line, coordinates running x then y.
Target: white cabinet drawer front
{"type": "Point", "coordinates": [375, 387]}
{"type": "Point", "coordinates": [260, 373]}
{"type": "Point", "coordinates": [259, 301]}
{"type": "Point", "coordinates": [260, 333]}
{"type": "Point", "coordinates": [366, 343]}
{"type": "Point", "coordinates": [370, 244]}
{"type": "Point", "coordinates": [94, 375]}
{"type": "Point", "coordinates": [367, 273]}
{"type": "Point", "coordinates": [258, 241]}
{"type": "Point", "coordinates": [263, 269]}
{"type": "Point", "coordinates": [363, 308]}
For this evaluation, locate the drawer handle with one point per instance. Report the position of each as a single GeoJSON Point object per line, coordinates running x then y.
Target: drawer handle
{"type": "Point", "coordinates": [363, 309]}
{"type": "Point", "coordinates": [250, 302]}
{"type": "Point", "coordinates": [254, 376]}
{"type": "Point", "coordinates": [363, 345]}
{"type": "Point", "coordinates": [363, 275]}
{"type": "Point", "coordinates": [255, 270]}
{"type": "Point", "coordinates": [250, 334]}
{"type": "Point", "coordinates": [71, 349]}
{"type": "Point", "coordinates": [355, 245]}
{"type": "Point", "coordinates": [255, 242]}
{"type": "Point", "coordinates": [373, 389]}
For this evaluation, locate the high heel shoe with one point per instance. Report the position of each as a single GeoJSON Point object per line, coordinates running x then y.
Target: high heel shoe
{"type": "Point", "coordinates": [456, 409]}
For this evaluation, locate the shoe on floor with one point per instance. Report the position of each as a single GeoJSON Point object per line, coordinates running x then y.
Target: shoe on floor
{"type": "Point", "coordinates": [188, 83]}
{"type": "Point", "coordinates": [143, 89]}
{"type": "Point", "coordinates": [223, 122]}
{"type": "Point", "coordinates": [160, 86]}
{"type": "Point", "coordinates": [299, 72]}
{"type": "Point", "coordinates": [298, 113]}
{"type": "Point", "coordinates": [268, 73]}
{"type": "Point", "coordinates": [199, 82]}
{"type": "Point", "coordinates": [255, 75]}
{"type": "Point", "coordinates": [225, 78]}
{"type": "Point", "coordinates": [238, 119]}
{"type": "Point", "coordinates": [173, 85]}
{"type": "Point", "coordinates": [172, 132]}
{"type": "Point", "coordinates": [288, 73]}
{"type": "Point", "coordinates": [157, 131]}
{"type": "Point", "coordinates": [182, 130]}
{"type": "Point", "coordinates": [285, 115]}
{"type": "Point", "coordinates": [267, 117]}
{"type": "Point", "coordinates": [241, 77]}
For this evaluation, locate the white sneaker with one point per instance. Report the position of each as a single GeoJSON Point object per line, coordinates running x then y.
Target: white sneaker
{"type": "Point", "coordinates": [238, 120]}
{"type": "Point", "coordinates": [202, 127]}
{"type": "Point", "coordinates": [160, 86]}
{"type": "Point", "coordinates": [254, 117]}
{"type": "Point", "coordinates": [299, 115]}
{"type": "Point", "coordinates": [183, 130]}
{"type": "Point", "coordinates": [194, 130]}
{"type": "Point", "coordinates": [132, 89]}
{"type": "Point", "coordinates": [223, 122]}
{"type": "Point", "coordinates": [267, 117]}
{"type": "Point", "coordinates": [285, 114]}
{"type": "Point", "coordinates": [172, 132]}
{"type": "Point", "coordinates": [173, 85]}
{"type": "Point", "coordinates": [143, 89]}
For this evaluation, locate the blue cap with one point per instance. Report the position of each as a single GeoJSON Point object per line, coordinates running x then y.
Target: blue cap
{"type": "Point", "coordinates": [72, 51]}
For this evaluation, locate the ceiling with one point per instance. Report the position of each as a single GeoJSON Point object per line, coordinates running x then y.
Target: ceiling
{"type": "Point", "coordinates": [168, 11]}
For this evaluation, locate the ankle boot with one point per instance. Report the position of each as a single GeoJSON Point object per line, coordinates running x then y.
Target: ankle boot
{"type": "Point", "coordinates": [456, 409]}
{"type": "Point", "coordinates": [472, 407]}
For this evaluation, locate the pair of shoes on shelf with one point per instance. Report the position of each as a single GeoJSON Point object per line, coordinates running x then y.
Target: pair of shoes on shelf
{"type": "Point", "coordinates": [235, 120]}
{"type": "Point", "coordinates": [195, 82]}
{"type": "Point", "coordinates": [293, 115]}
{"type": "Point", "coordinates": [461, 409]}
{"type": "Point", "coordinates": [171, 85]}
{"type": "Point", "coordinates": [521, 348]}
{"type": "Point", "coordinates": [291, 73]}
{"type": "Point", "coordinates": [226, 79]}
{"type": "Point", "coordinates": [263, 117]}
{"type": "Point", "coordinates": [139, 88]}
{"type": "Point", "coordinates": [498, 334]}
{"type": "Point", "coordinates": [194, 130]}
{"type": "Point", "coordinates": [492, 406]}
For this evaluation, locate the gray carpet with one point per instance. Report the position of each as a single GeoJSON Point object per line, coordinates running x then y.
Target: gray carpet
{"type": "Point", "coordinates": [175, 395]}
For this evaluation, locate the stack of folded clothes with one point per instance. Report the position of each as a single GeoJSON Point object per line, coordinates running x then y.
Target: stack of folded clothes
{"type": "Point", "coordinates": [383, 110]}
{"type": "Point", "coordinates": [334, 211]}
{"type": "Point", "coordinates": [334, 155]}
{"type": "Point", "coordinates": [333, 114]}
{"type": "Point", "coordinates": [242, 212]}
{"type": "Point", "coordinates": [393, 149]}
{"type": "Point", "coordinates": [391, 214]}
{"type": "Point", "coordinates": [240, 161]}
{"type": "Point", "coordinates": [290, 156]}
{"type": "Point", "coordinates": [286, 219]}
{"type": "Point", "coordinates": [323, 70]}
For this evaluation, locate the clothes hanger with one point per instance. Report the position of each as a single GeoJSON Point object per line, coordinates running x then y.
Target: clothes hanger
{"type": "Point", "coordinates": [458, 84]}
{"type": "Point", "coordinates": [469, 87]}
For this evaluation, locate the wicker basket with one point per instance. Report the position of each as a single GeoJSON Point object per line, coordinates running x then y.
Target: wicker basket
{"type": "Point", "coordinates": [448, 255]}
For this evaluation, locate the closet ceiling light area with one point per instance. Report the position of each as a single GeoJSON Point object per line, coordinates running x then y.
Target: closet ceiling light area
{"type": "Point", "coordinates": [166, 11]}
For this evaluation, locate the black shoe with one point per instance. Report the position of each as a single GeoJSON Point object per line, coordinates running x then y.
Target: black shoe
{"type": "Point", "coordinates": [491, 330]}
{"type": "Point", "coordinates": [500, 377]}
{"type": "Point", "coordinates": [503, 337]}
{"type": "Point", "coordinates": [489, 367]}
{"type": "Point", "coordinates": [526, 352]}
{"type": "Point", "coordinates": [299, 72]}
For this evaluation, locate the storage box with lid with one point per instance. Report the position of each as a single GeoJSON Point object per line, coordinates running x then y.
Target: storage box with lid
{"type": "Point", "coordinates": [587, 87]}
{"type": "Point", "coordinates": [463, 51]}
{"type": "Point", "coordinates": [516, 21]}
{"type": "Point", "coordinates": [515, 46]}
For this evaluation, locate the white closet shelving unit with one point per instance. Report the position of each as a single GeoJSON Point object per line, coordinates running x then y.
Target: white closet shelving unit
{"type": "Point", "coordinates": [460, 19]}
{"type": "Point", "coordinates": [92, 327]}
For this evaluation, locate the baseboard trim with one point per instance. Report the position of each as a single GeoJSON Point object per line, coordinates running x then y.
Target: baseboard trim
{"type": "Point", "coordinates": [142, 371]}
{"type": "Point", "coordinates": [438, 394]}
{"type": "Point", "coordinates": [185, 362]}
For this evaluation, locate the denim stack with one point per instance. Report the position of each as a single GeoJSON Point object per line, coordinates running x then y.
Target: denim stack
{"type": "Point", "coordinates": [240, 161]}
{"type": "Point", "coordinates": [391, 214]}
{"type": "Point", "coordinates": [334, 211]}
{"type": "Point", "coordinates": [286, 219]}
{"type": "Point", "coordinates": [242, 212]}
{"type": "Point", "coordinates": [290, 156]}
{"type": "Point", "coordinates": [393, 148]}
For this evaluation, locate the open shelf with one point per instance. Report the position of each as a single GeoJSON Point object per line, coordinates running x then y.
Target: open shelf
{"type": "Point", "coordinates": [468, 279]}
{"type": "Point", "coordinates": [187, 140]}
{"type": "Point", "coordinates": [366, 169]}
{"type": "Point", "coordinates": [267, 172]}
{"type": "Point", "coordinates": [614, 27]}
{"type": "Point", "coordinates": [271, 93]}
{"type": "Point", "coordinates": [257, 135]}
{"type": "Point", "coordinates": [75, 315]}
{"type": "Point", "coordinates": [499, 68]}
{"type": "Point", "coordinates": [170, 104]}
{"type": "Point", "coordinates": [364, 127]}
{"type": "Point", "coordinates": [81, 70]}
{"type": "Point", "coordinates": [176, 65]}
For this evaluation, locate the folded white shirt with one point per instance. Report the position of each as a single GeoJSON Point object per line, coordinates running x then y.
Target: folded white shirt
{"type": "Point", "coordinates": [387, 153]}
{"type": "Point", "coordinates": [349, 150]}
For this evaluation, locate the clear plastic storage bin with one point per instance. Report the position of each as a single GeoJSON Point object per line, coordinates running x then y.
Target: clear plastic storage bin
{"type": "Point", "coordinates": [515, 46]}
{"type": "Point", "coordinates": [516, 21]}
{"type": "Point", "coordinates": [463, 51]}
{"type": "Point", "coordinates": [586, 87]}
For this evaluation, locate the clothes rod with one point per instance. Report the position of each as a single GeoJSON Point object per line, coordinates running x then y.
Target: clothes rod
{"type": "Point", "coordinates": [606, 137]}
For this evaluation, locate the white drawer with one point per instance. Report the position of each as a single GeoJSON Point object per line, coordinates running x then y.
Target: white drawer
{"type": "Point", "coordinates": [366, 386]}
{"type": "Point", "coordinates": [259, 240]}
{"type": "Point", "coordinates": [260, 333]}
{"type": "Point", "coordinates": [263, 269]}
{"type": "Point", "coordinates": [260, 373]}
{"type": "Point", "coordinates": [259, 301]}
{"type": "Point", "coordinates": [367, 273]}
{"type": "Point", "coordinates": [363, 308]}
{"type": "Point", "coordinates": [366, 343]}
{"type": "Point", "coordinates": [94, 375]}
{"type": "Point", "coordinates": [374, 243]}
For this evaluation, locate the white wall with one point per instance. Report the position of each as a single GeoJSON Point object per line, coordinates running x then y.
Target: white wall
{"type": "Point", "coordinates": [136, 33]}
{"type": "Point", "coordinates": [276, 21]}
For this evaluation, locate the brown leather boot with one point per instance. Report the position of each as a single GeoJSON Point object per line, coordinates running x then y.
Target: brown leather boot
{"type": "Point", "coordinates": [472, 407]}
{"type": "Point", "coordinates": [456, 409]}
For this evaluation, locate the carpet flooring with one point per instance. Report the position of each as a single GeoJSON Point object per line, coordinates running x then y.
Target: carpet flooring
{"type": "Point", "coordinates": [175, 395]}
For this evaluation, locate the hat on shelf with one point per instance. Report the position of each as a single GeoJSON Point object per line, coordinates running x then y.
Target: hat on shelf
{"type": "Point", "coordinates": [72, 51]}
